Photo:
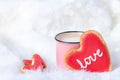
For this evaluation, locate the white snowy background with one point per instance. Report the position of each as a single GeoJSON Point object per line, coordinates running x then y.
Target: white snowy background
{"type": "Point", "coordinates": [29, 26]}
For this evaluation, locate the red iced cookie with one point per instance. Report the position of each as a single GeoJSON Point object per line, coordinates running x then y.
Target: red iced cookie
{"type": "Point", "coordinates": [37, 59]}
{"type": "Point", "coordinates": [93, 54]}
{"type": "Point", "coordinates": [37, 63]}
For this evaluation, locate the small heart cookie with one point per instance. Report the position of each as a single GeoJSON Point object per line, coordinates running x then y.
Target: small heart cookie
{"type": "Point", "coordinates": [37, 63]}
{"type": "Point", "coordinates": [92, 55]}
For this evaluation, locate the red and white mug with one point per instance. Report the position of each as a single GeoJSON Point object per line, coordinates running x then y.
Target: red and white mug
{"type": "Point", "coordinates": [64, 42]}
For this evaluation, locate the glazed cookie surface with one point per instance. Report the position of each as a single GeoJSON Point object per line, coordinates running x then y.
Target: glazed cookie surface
{"type": "Point", "coordinates": [92, 55]}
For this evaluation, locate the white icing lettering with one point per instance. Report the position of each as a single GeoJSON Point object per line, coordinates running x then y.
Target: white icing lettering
{"type": "Point", "coordinates": [88, 60]}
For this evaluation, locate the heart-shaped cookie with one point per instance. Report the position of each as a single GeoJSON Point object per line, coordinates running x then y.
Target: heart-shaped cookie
{"type": "Point", "coordinates": [92, 55]}
{"type": "Point", "coordinates": [37, 63]}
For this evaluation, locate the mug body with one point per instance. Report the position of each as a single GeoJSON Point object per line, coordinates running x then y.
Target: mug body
{"type": "Point", "coordinates": [66, 41]}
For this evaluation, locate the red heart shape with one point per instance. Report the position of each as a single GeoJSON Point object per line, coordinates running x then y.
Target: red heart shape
{"type": "Point", "coordinates": [37, 63]}
{"type": "Point", "coordinates": [92, 55]}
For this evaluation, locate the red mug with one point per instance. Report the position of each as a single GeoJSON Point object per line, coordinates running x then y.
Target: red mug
{"type": "Point", "coordinates": [64, 42]}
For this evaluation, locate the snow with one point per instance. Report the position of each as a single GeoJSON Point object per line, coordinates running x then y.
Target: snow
{"type": "Point", "coordinates": [29, 26]}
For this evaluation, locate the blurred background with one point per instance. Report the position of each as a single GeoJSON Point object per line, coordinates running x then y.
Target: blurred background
{"type": "Point", "coordinates": [49, 17]}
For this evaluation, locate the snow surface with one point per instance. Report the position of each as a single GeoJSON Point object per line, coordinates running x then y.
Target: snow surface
{"type": "Point", "coordinates": [29, 26]}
